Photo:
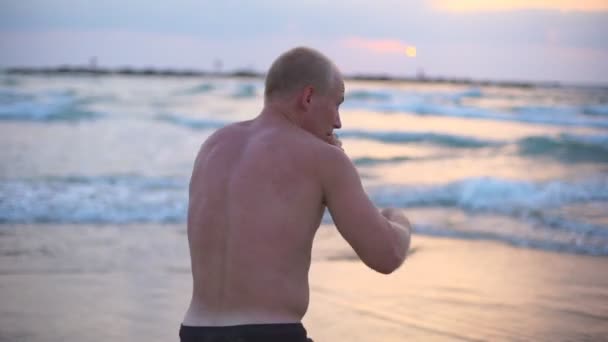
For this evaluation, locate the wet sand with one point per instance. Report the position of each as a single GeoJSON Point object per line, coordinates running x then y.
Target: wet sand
{"type": "Point", "coordinates": [89, 283]}
{"type": "Point", "coordinates": [460, 290]}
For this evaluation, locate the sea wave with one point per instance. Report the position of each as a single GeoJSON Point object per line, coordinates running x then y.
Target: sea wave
{"type": "Point", "coordinates": [572, 110]}
{"type": "Point", "coordinates": [199, 89]}
{"type": "Point", "coordinates": [368, 95]}
{"type": "Point", "coordinates": [193, 123]}
{"type": "Point", "coordinates": [449, 104]}
{"type": "Point", "coordinates": [472, 92]}
{"type": "Point", "coordinates": [567, 147]}
{"type": "Point", "coordinates": [382, 136]}
{"type": "Point", "coordinates": [371, 161]}
{"type": "Point", "coordinates": [531, 204]}
{"type": "Point", "coordinates": [599, 110]}
{"type": "Point", "coordinates": [488, 194]}
{"type": "Point", "coordinates": [9, 81]}
{"type": "Point", "coordinates": [447, 140]}
{"type": "Point", "coordinates": [8, 96]}
{"type": "Point", "coordinates": [530, 115]}
{"type": "Point", "coordinates": [380, 95]}
{"type": "Point", "coordinates": [245, 91]}
{"type": "Point", "coordinates": [564, 147]}
{"type": "Point", "coordinates": [131, 198]}
{"type": "Point", "coordinates": [543, 238]}
{"type": "Point", "coordinates": [128, 198]}
{"type": "Point", "coordinates": [103, 199]}
{"type": "Point", "coordinates": [49, 106]}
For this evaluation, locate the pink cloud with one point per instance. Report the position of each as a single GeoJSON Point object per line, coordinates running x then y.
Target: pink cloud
{"type": "Point", "coordinates": [513, 5]}
{"type": "Point", "coordinates": [381, 46]}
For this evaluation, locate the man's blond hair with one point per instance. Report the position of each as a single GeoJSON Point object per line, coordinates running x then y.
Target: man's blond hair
{"type": "Point", "coordinates": [298, 68]}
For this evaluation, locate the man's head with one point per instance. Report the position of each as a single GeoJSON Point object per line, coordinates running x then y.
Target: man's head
{"type": "Point", "coordinates": [311, 84]}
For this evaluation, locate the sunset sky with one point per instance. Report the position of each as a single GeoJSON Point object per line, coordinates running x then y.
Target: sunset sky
{"type": "Point", "coordinates": [539, 40]}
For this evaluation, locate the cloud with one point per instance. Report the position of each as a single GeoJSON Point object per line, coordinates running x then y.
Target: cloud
{"type": "Point", "coordinates": [379, 46]}
{"type": "Point", "coordinates": [513, 5]}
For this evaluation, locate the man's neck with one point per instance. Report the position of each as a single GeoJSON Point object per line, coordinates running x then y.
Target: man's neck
{"type": "Point", "coordinates": [282, 112]}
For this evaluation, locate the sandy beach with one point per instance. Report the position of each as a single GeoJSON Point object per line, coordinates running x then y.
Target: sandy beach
{"type": "Point", "coordinates": [99, 283]}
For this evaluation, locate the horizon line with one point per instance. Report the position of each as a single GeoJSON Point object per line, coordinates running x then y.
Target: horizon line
{"type": "Point", "coordinates": [67, 69]}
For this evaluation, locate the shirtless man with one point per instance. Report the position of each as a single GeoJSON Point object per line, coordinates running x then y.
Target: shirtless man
{"type": "Point", "coordinates": [257, 195]}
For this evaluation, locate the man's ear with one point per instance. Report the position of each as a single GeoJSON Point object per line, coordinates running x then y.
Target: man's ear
{"type": "Point", "coordinates": [306, 98]}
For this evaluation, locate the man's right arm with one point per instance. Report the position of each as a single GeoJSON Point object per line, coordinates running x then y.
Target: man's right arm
{"type": "Point", "coordinates": [381, 240]}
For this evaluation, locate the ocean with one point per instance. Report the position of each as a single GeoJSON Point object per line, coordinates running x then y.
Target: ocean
{"type": "Point", "coordinates": [525, 166]}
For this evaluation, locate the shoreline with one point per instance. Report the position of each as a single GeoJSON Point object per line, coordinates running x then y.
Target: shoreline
{"type": "Point", "coordinates": [76, 282]}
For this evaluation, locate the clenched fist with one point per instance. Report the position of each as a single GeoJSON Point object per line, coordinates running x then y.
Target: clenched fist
{"type": "Point", "coordinates": [334, 140]}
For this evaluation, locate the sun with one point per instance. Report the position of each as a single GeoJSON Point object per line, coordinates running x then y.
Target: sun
{"type": "Point", "coordinates": [410, 51]}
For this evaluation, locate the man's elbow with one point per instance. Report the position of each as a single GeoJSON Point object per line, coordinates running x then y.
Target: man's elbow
{"type": "Point", "coordinates": [391, 263]}
{"type": "Point", "coordinates": [398, 247]}
{"type": "Point", "coordinates": [388, 257]}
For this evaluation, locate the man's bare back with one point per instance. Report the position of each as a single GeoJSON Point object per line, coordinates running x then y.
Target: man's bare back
{"type": "Point", "coordinates": [256, 203]}
{"type": "Point", "coordinates": [257, 195]}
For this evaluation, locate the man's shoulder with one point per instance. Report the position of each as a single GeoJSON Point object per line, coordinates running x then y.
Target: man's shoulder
{"type": "Point", "coordinates": [235, 127]}
{"type": "Point", "coordinates": [313, 146]}
{"type": "Point", "coordinates": [227, 132]}
{"type": "Point", "coordinates": [328, 158]}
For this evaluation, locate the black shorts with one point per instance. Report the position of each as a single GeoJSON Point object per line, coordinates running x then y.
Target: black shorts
{"type": "Point", "coordinates": [284, 332]}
